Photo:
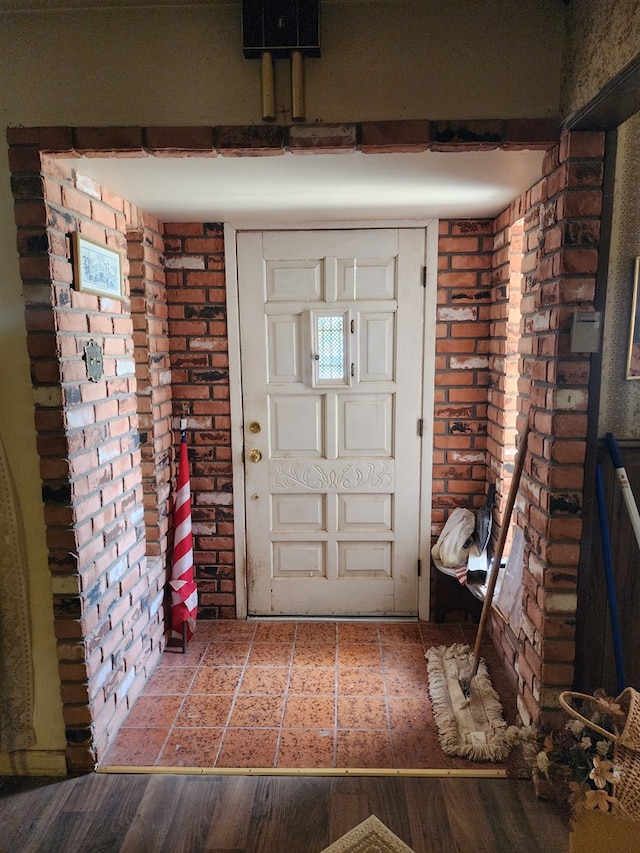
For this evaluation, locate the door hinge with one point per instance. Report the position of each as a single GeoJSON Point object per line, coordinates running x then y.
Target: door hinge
{"type": "Point", "coordinates": [424, 276]}
{"type": "Point", "coordinates": [420, 426]}
{"type": "Point", "coordinates": [353, 369]}
{"type": "Point", "coordinates": [419, 567]}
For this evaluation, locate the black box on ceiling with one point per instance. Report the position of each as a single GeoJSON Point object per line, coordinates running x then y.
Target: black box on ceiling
{"type": "Point", "coordinates": [280, 26]}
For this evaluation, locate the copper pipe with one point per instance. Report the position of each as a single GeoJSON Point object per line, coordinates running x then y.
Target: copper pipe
{"type": "Point", "coordinates": [297, 86]}
{"type": "Point", "coordinates": [268, 87]}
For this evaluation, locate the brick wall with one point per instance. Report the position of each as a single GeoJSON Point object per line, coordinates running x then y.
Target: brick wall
{"type": "Point", "coordinates": [462, 366]}
{"type": "Point", "coordinates": [149, 312]}
{"type": "Point", "coordinates": [504, 374]}
{"type": "Point", "coordinates": [560, 240]}
{"type": "Point", "coordinates": [107, 596]}
{"type": "Point", "coordinates": [544, 245]}
{"type": "Point", "coordinates": [100, 511]}
{"type": "Point", "coordinates": [200, 368]}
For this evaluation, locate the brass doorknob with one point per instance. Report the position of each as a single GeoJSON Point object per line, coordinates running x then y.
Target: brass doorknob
{"type": "Point", "coordinates": [255, 455]}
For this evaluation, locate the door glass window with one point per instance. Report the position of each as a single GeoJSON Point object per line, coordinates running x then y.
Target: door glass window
{"type": "Point", "coordinates": [331, 355]}
{"type": "Point", "coordinates": [327, 337]}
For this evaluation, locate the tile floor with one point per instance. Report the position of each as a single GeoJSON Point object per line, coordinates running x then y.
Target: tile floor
{"type": "Point", "coordinates": [296, 694]}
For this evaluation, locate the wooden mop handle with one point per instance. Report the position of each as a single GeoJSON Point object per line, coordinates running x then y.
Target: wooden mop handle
{"type": "Point", "coordinates": [502, 538]}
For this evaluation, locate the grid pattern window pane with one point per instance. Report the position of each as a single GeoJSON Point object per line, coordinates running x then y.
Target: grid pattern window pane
{"type": "Point", "coordinates": [330, 360]}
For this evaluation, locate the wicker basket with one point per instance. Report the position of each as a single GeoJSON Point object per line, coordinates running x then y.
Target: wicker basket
{"type": "Point", "coordinates": [626, 749]}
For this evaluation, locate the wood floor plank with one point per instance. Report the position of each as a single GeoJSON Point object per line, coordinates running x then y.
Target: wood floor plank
{"type": "Point", "coordinates": [98, 818]}
{"type": "Point", "coordinates": [348, 806]}
{"type": "Point", "coordinates": [388, 802]}
{"type": "Point", "coordinates": [231, 815]}
{"type": "Point", "coordinates": [27, 815]}
{"type": "Point", "coordinates": [191, 816]}
{"type": "Point", "coordinates": [159, 805]}
{"type": "Point", "coordinates": [140, 813]}
{"type": "Point", "coordinates": [290, 815]}
{"type": "Point", "coordinates": [430, 829]}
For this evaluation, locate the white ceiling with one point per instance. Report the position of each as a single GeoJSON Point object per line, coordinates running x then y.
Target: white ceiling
{"type": "Point", "coordinates": [294, 188]}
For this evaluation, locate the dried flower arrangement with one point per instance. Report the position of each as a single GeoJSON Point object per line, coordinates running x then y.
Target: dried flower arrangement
{"type": "Point", "coordinates": [578, 765]}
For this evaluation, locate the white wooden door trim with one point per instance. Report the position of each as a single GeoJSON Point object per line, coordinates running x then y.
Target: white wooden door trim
{"type": "Point", "coordinates": [235, 380]}
{"type": "Point", "coordinates": [428, 396]}
{"type": "Point", "coordinates": [237, 418]}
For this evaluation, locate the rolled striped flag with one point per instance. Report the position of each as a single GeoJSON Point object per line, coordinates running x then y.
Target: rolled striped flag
{"type": "Point", "coordinates": [184, 592]}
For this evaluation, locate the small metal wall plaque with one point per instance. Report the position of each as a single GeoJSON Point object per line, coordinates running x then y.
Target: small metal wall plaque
{"type": "Point", "coordinates": [93, 359]}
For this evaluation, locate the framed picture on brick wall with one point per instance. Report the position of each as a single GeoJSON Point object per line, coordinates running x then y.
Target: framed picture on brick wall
{"type": "Point", "coordinates": [633, 358]}
{"type": "Point", "coordinates": [97, 268]}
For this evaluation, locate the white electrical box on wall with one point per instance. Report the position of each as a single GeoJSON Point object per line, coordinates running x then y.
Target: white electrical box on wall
{"type": "Point", "coordinates": [585, 331]}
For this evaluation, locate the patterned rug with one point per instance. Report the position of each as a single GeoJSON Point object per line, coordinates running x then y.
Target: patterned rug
{"type": "Point", "coordinates": [370, 836]}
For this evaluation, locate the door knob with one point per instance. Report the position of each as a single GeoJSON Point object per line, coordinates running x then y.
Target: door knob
{"type": "Point", "coordinates": [255, 455]}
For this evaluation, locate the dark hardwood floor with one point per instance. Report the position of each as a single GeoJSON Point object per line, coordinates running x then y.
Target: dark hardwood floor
{"type": "Point", "coordinates": [271, 814]}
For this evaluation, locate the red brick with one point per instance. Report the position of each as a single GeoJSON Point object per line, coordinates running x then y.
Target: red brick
{"type": "Point", "coordinates": [169, 141]}
{"type": "Point", "coordinates": [582, 144]}
{"type": "Point", "coordinates": [76, 201]}
{"type": "Point", "coordinates": [325, 138]}
{"type": "Point", "coordinates": [114, 140]}
{"type": "Point", "coordinates": [245, 139]}
{"type": "Point", "coordinates": [582, 203]}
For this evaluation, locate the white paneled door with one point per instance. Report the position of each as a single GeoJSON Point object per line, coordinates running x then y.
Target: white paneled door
{"type": "Point", "coordinates": [331, 336]}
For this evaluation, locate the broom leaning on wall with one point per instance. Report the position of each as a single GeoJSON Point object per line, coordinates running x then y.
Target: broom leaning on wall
{"type": "Point", "coordinates": [466, 708]}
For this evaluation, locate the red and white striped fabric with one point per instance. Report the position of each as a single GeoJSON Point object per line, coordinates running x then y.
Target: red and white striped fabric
{"type": "Point", "coordinates": [184, 592]}
{"type": "Point", "coordinates": [461, 573]}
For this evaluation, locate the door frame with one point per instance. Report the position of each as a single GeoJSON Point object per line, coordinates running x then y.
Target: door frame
{"type": "Point", "coordinates": [231, 231]}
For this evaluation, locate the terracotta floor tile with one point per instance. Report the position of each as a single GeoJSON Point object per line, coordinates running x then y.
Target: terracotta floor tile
{"type": "Point", "coordinates": [175, 657]}
{"type": "Point", "coordinates": [323, 694]}
{"type": "Point", "coordinates": [316, 632]}
{"type": "Point", "coordinates": [361, 681]}
{"type": "Point", "coordinates": [270, 654]}
{"type": "Point", "coordinates": [359, 654]}
{"type": "Point", "coordinates": [136, 749]}
{"type": "Point", "coordinates": [307, 748]}
{"type": "Point", "coordinates": [399, 632]}
{"type": "Point", "coordinates": [408, 681]}
{"type": "Point", "coordinates": [362, 712]}
{"type": "Point", "coordinates": [205, 631]}
{"type": "Point", "coordinates": [358, 632]}
{"type": "Point", "coordinates": [209, 711]}
{"type": "Point", "coordinates": [313, 680]}
{"type": "Point", "coordinates": [309, 712]}
{"type": "Point", "coordinates": [418, 750]}
{"type": "Point", "coordinates": [275, 632]}
{"type": "Point", "coordinates": [440, 634]}
{"type": "Point", "coordinates": [363, 749]}
{"type": "Point", "coordinates": [196, 747]}
{"type": "Point", "coordinates": [262, 711]}
{"type": "Point", "coordinates": [248, 748]}
{"type": "Point", "coordinates": [217, 679]}
{"type": "Point", "coordinates": [166, 680]}
{"type": "Point", "coordinates": [227, 654]}
{"type": "Point", "coordinates": [405, 654]}
{"type": "Point", "coordinates": [411, 713]}
{"type": "Point", "coordinates": [154, 711]}
{"type": "Point", "coordinates": [320, 654]}
{"type": "Point", "coordinates": [264, 680]}
{"type": "Point", "coordinates": [227, 630]}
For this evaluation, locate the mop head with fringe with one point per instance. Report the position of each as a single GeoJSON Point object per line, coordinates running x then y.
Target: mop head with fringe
{"type": "Point", "coordinates": [470, 727]}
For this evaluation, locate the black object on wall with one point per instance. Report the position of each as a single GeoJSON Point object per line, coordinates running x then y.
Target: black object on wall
{"type": "Point", "coordinates": [280, 27]}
